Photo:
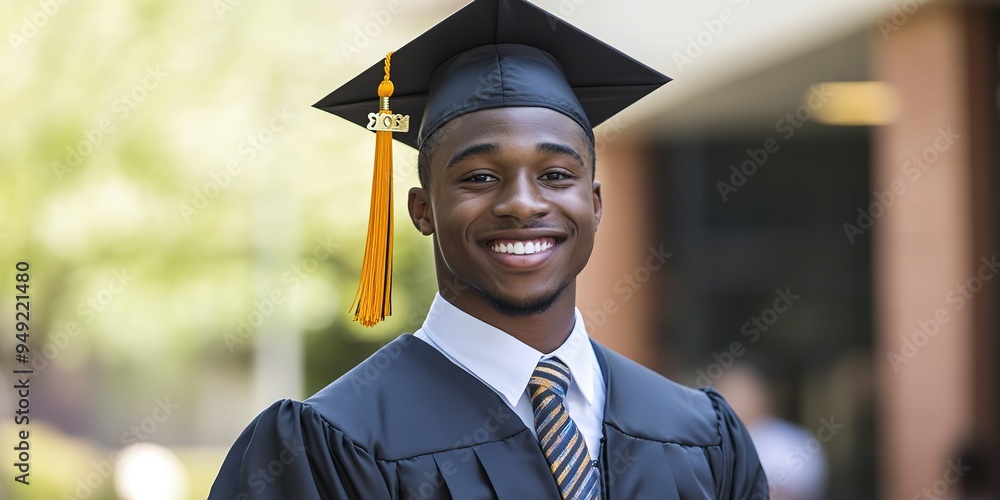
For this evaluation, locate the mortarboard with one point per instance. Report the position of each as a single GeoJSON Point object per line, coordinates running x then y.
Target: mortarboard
{"type": "Point", "coordinates": [489, 54]}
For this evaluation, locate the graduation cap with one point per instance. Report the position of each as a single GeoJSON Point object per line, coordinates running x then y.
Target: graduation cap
{"type": "Point", "coordinates": [489, 54]}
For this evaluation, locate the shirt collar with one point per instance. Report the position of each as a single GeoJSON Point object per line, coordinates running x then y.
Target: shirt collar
{"type": "Point", "coordinates": [500, 360]}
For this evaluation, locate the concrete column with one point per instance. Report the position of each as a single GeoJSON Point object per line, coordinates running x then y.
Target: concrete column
{"type": "Point", "coordinates": [616, 292]}
{"type": "Point", "coordinates": [923, 251]}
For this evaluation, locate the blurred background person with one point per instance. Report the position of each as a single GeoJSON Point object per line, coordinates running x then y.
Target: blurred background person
{"type": "Point", "coordinates": [792, 457]}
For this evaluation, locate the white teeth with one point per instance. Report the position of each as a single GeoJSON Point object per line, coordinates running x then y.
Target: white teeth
{"type": "Point", "coordinates": [522, 247]}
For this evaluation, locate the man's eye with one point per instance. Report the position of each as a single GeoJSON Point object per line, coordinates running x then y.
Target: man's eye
{"type": "Point", "coordinates": [555, 176]}
{"type": "Point", "coordinates": [480, 178]}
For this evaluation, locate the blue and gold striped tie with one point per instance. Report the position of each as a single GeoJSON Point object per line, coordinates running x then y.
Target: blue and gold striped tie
{"type": "Point", "coordinates": [561, 440]}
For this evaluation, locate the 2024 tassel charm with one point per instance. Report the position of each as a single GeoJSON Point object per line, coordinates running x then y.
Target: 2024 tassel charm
{"type": "Point", "coordinates": [373, 300]}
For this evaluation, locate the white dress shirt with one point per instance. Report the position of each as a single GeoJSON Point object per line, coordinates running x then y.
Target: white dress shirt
{"type": "Point", "coordinates": [505, 365]}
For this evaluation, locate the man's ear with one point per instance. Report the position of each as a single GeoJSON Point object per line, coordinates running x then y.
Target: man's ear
{"type": "Point", "coordinates": [598, 204]}
{"type": "Point", "coordinates": [419, 204]}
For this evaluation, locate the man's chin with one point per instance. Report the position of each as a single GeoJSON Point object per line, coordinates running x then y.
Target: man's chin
{"type": "Point", "coordinates": [519, 307]}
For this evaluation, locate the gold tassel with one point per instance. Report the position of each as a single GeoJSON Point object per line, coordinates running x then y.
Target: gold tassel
{"type": "Point", "coordinates": [373, 301]}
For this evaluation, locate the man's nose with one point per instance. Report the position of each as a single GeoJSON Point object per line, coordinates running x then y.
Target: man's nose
{"type": "Point", "coordinates": [522, 198]}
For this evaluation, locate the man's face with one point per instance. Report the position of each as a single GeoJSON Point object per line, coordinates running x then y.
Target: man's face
{"type": "Point", "coordinates": [512, 207]}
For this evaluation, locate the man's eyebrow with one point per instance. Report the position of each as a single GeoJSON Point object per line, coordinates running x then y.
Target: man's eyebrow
{"type": "Point", "coordinates": [559, 149]}
{"type": "Point", "coordinates": [474, 150]}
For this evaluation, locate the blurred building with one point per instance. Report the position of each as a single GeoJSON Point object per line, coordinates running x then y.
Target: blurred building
{"type": "Point", "coordinates": [825, 178]}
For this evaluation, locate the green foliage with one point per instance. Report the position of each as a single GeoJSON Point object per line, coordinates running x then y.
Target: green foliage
{"type": "Point", "coordinates": [163, 172]}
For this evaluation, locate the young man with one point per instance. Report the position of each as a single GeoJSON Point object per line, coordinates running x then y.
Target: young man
{"type": "Point", "coordinates": [500, 394]}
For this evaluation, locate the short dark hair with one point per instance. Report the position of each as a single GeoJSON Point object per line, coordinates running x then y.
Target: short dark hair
{"type": "Point", "coordinates": [430, 144]}
{"type": "Point", "coordinates": [424, 157]}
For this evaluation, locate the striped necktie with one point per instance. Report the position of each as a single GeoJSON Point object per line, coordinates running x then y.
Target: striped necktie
{"type": "Point", "coordinates": [561, 440]}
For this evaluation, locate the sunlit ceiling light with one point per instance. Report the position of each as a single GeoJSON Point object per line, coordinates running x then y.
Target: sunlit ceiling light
{"type": "Point", "coordinates": [853, 103]}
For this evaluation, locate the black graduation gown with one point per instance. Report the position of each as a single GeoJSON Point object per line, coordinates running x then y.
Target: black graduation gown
{"type": "Point", "coordinates": [409, 424]}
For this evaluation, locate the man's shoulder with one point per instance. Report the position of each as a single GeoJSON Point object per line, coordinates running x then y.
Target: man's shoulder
{"type": "Point", "coordinates": [647, 405]}
{"type": "Point", "coordinates": [407, 399]}
{"type": "Point", "coordinates": [374, 386]}
{"type": "Point", "coordinates": [376, 373]}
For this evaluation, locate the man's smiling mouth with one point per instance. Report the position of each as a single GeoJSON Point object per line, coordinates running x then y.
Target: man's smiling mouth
{"type": "Point", "coordinates": [521, 247]}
